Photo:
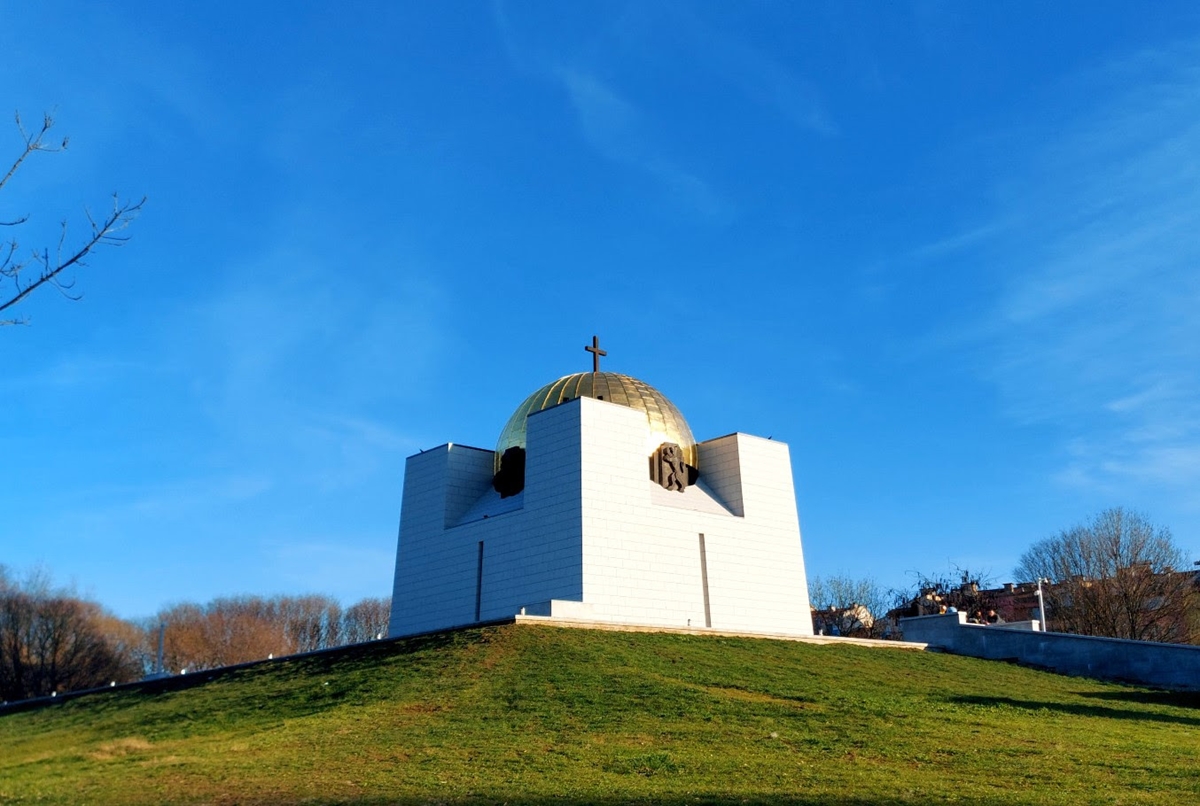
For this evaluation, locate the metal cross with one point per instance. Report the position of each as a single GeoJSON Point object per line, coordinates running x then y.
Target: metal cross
{"type": "Point", "coordinates": [596, 353]}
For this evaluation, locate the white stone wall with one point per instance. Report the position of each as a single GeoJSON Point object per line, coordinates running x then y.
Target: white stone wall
{"type": "Point", "coordinates": [435, 575]}
{"type": "Point", "coordinates": [531, 553]}
{"type": "Point", "coordinates": [591, 527]}
{"type": "Point", "coordinates": [642, 543]}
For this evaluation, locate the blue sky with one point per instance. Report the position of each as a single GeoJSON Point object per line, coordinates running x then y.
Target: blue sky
{"type": "Point", "coordinates": [946, 251]}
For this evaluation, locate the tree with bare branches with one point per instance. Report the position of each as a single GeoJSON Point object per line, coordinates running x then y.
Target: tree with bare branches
{"type": "Point", "coordinates": [51, 641]}
{"type": "Point", "coordinates": [238, 629]}
{"type": "Point", "coordinates": [22, 273]}
{"type": "Point", "coordinates": [366, 620]}
{"type": "Point", "coordinates": [1119, 576]}
{"type": "Point", "coordinates": [854, 606]}
{"type": "Point", "coordinates": [962, 588]}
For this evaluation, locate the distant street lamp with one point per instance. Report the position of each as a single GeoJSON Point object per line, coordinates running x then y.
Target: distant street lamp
{"type": "Point", "coordinates": [1042, 606]}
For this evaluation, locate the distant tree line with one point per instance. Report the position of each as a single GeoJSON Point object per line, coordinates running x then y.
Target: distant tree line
{"type": "Point", "coordinates": [237, 629]}
{"type": "Point", "coordinates": [52, 640]}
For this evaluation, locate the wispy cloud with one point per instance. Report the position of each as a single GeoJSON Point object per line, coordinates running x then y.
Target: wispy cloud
{"type": "Point", "coordinates": [292, 335]}
{"type": "Point", "coordinates": [618, 131]}
{"type": "Point", "coordinates": [350, 449]}
{"type": "Point", "coordinates": [636, 135]}
{"type": "Point", "coordinates": [958, 242]}
{"type": "Point", "coordinates": [1095, 331]}
{"type": "Point", "coordinates": [758, 75]}
{"type": "Point", "coordinates": [109, 509]}
{"type": "Point", "coordinates": [333, 563]}
{"type": "Point", "coordinates": [77, 372]}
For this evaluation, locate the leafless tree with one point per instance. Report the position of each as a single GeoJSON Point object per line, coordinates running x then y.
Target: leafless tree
{"type": "Point", "coordinates": [1119, 576]}
{"type": "Point", "coordinates": [366, 620]}
{"type": "Point", "coordinates": [310, 622]}
{"type": "Point", "coordinates": [239, 629]}
{"type": "Point", "coordinates": [23, 273]}
{"type": "Point", "coordinates": [961, 588]}
{"type": "Point", "coordinates": [52, 641]}
{"type": "Point", "coordinates": [224, 632]}
{"type": "Point", "coordinates": [854, 606]}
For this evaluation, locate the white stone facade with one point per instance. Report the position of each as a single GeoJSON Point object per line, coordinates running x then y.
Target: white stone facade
{"type": "Point", "coordinates": [591, 536]}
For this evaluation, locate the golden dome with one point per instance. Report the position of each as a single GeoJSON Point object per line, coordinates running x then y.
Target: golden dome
{"type": "Point", "coordinates": [663, 421]}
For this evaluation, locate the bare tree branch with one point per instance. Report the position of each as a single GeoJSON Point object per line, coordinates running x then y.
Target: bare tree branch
{"type": "Point", "coordinates": [20, 278]}
{"type": "Point", "coordinates": [32, 144]}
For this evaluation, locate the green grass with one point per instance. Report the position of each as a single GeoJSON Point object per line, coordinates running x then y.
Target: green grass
{"type": "Point", "coordinates": [527, 714]}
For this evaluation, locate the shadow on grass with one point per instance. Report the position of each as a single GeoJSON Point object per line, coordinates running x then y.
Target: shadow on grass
{"type": "Point", "coordinates": [1102, 711]}
{"type": "Point", "coordinates": [774, 799]}
{"type": "Point", "coordinates": [1178, 699]}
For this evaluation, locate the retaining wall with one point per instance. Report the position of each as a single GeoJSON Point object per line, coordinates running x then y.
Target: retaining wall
{"type": "Point", "coordinates": [1173, 666]}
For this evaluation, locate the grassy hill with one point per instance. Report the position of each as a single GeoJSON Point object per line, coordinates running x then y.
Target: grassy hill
{"type": "Point", "coordinates": [530, 714]}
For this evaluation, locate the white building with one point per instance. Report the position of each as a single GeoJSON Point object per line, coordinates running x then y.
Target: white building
{"type": "Point", "coordinates": [601, 521]}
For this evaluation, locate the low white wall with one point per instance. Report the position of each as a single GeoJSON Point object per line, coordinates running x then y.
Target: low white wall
{"type": "Point", "coordinates": [1174, 666]}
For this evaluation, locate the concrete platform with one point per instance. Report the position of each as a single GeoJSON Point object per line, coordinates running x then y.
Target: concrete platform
{"type": "Point", "coordinates": [584, 624]}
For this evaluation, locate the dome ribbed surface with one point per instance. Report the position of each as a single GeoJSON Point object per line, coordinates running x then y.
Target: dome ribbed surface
{"type": "Point", "coordinates": [664, 423]}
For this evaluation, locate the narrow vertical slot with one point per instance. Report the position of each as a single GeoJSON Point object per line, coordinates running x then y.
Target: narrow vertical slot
{"type": "Point", "coordinates": [479, 583]}
{"type": "Point", "coordinates": [703, 581]}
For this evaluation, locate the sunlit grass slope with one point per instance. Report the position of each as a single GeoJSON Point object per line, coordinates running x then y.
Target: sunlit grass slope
{"type": "Point", "coordinates": [540, 715]}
